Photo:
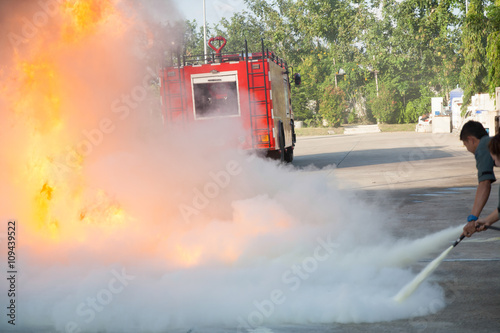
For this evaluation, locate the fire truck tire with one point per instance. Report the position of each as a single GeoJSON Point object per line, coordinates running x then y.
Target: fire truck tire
{"type": "Point", "coordinates": [289, 155]}
{"type": "Point", "coordinates": [281, 139]}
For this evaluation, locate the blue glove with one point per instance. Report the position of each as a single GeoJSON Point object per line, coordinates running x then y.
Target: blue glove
{"type": "Point", "coordinates": [471, 218]}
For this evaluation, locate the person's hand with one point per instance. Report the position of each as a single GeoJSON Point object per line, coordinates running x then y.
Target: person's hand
{"type": "Point", "coordinates": [470, 227]}
{"type": "Point", "coordinates": [481, 225]}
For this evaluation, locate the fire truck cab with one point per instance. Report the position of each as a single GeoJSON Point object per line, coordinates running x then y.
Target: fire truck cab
{"type": "Point", "coordinates": [251, 89]}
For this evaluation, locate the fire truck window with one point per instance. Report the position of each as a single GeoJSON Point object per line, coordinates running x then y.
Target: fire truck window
{"type": "Point", "coordinates": [215, 99]}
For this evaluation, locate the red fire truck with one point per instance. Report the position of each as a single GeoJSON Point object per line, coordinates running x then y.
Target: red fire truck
{"type": "Point", "coordinates": [252, 89]}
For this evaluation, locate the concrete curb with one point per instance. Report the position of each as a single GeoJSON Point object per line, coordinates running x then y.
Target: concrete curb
{"type": "Point", "coordinates": [359, 129]}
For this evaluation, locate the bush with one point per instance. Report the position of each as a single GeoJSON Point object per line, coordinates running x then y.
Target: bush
{"type": "Point", "coordinates": [333, 106]}
{"type": "Point", "coordinates": [385, 107]}
{"type": "Point", "coordinates": [410, 114]}
{"type": "Point", "coordinates": [417, 107]}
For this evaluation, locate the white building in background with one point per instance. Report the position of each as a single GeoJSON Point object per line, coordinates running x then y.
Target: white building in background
{"type": "Point", "coordinates": [483, 110]}
{"type": "Point", "coordinates": [437, 106]}
{"type": "Point", "coordinates": [441, 120]}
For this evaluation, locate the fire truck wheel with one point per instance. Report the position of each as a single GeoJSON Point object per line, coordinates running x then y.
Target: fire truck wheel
{"type": "Point", "coordinates": [289, 154]}
{"type": "Point", "coordinates": [282, 143]}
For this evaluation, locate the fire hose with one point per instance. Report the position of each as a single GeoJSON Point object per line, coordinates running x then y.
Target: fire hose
{"type": "Point", "coordinates": [407, 290]}
{"type": "Point", "coordinates": [463, 236]}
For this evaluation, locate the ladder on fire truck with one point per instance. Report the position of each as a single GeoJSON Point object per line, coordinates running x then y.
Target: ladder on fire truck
{"type": "Point", "coordinates": [258, 91]}
{"type": "Point", "coordinates": [173, 90]}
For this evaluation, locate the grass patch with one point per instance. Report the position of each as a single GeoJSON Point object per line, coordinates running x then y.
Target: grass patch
{"type": "Point", "coordinates": [317, 131]}
{"type": "Point", "coordinates": [397, 127]}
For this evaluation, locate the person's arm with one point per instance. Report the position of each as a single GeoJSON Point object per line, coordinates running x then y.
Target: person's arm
{"type": "Point", "coordinates": [489, 220]}
{"type": "Point", "coordinates": [485, 176]}
{"type": "Point", "coordinates": [482, 194]}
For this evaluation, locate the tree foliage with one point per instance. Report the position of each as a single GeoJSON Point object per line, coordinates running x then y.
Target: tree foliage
{"type": "Point", "coordinates": [417, 49]}
{"type": "Point", "coordinates": [241, 27]}
{"type": "Point", "coordinates": [474, 73]}
{"type": "Point", "coordinates": [385, 107]}
{"type": "Point", "coordinates": [493, 50]}
{"type": "Point", "coordinates": [333, 105]}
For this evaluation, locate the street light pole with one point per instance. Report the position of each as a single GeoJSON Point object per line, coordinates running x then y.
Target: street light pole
{"type": "Point", "coordinates": [204, 31]}
{"type": "Point", "coordinates": [341, 72]}
{"type": "Point", "coordinates": [374, 71]}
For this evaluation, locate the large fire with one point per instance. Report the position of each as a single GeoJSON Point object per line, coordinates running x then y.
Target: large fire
{"type": "Point", "coordinates": [84, 18]}
{"type": "Point", "coordinates": [43, 100]}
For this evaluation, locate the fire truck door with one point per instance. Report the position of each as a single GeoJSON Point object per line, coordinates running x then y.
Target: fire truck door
{"type": "Point", "coordinates": [215, 95]}
{"type": "Point", "coordinates": [287, 95]}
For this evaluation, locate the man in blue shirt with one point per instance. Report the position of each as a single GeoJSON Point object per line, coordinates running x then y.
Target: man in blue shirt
{"type": "Point", "coordinates": [476, 139]}
{"type": "Point", "coordinates": [484, 223]}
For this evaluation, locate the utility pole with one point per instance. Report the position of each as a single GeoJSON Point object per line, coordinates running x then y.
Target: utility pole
{"type": "Point", "coordinates": [204, 31]}
{"type": "Point", "coordinates": [341, 72]}
{"type": "Point", "coordinates": [374, 71]}
{"type": "Point", "coordinates": [335, 74]}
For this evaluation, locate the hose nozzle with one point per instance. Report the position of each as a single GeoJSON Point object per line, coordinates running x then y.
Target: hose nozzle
{"type": "Point", "coordinates": [458, 240]}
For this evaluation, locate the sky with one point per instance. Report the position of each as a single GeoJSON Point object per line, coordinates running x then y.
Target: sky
{"type": "Point", "coordinates": [216, 9]}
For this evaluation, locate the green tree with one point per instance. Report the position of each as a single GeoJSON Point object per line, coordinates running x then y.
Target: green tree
{"type": "Point", "coordinates": [473, 77]}
{"type": "Point", "coordinates": [410, 44]}
{"type": "Point", "coordinates": [410, 114]}
{"type": "Point", "coordinates": [423, 103]}
{"type": "Point", "coordinates": [493, 50]}
{"type": "Point", "coordinates": [302, 109]}
{"type": "Point", "coordinates": [193, 38]}
{"type": "Point", "coordinates": [307, 97]}
{"type": "Point", "coordinates": [240, 27]}
{"type": "Point", "coordinates": [417, 107]}
{"type": "Point", "coordinates": [386, 106]}
{"type": "Point", "coordinates": [414, 43]}
{"type": "Point", "coordinates": [333, 106]}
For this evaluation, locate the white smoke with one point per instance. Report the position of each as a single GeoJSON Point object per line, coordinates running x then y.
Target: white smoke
{"type": "Point", "coordinates": [201, 233]}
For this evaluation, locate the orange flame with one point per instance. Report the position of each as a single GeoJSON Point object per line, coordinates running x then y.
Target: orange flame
{"type": "Point", "coordinates": [84, 17]}
{"type": "Point", "coordinates": [39, 104]}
